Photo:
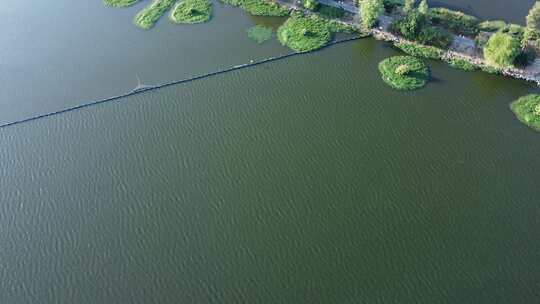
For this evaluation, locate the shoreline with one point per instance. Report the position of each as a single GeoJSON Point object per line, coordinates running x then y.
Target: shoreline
{"type": "Point", "coordinates": [379, 33]}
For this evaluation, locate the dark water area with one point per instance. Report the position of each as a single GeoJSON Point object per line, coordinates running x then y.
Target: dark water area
{"type": "Point", "coordinates": [305, 180]}
{"type": "Point", "coordinates": [510, 11]}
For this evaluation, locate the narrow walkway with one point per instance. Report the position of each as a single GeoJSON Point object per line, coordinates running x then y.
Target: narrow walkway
{"type": "Point", "coordinates": [348, 7]}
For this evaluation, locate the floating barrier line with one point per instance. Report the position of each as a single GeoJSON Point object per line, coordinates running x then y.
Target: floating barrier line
{"type": "Point", "coordinates": [166, 84]}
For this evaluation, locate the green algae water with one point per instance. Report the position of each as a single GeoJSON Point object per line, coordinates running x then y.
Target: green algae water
{"type": "Point", "coordinates": [305, 180]}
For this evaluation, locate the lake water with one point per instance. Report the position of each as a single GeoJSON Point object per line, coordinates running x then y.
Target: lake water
{"type": "Point", "coordinates": [305, 180]}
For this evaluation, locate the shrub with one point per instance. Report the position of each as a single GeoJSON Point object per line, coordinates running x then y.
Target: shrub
{"type": "Point", "coordinates": [492, 26]}
{"type": "Point", "coordinates": [501, 50]}
{"type": "Point", "coordinates": [410, 25]}
{"type": "Point", "coordinates": [408, 6]}
{"type": "Point", "coordinates": [525, 57]}
{"type": "Point", "coordinates": [515, 30]}
{"type": "Point", "coordinates": [455, 21]}
{"type": "Point", "coordinates": [404, 72]}
{"type": "Point", "coordinates": [418, 50]}
{"type": "Point", "coordinates": [435, 36]}
{"type": "Point", "coordinates": [527, 110]}
{"type": "Point", "coordinates": [390, 5]}
{"type": "Point", "coordinates": [311, 4]}
{"type": "Point", "coordinates": [462, 64]}
{"type": "Point", "coordinates": [192, 11]}
{"type": "Point", "coordinates": [370, 11]}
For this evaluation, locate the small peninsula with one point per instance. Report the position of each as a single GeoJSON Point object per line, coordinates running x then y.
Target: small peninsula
{"type": "Point", "coordinates": [192, 11]}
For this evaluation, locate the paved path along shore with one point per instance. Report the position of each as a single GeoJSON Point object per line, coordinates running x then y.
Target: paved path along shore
{"type": "Point", "coordinates": [462, 47]}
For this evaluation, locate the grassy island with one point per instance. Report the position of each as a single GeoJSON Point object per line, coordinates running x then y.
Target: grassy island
{"type": "Point", "coordinates": [527, 110]}
{"type": "Point", "coordinates": [404, 72]}
{"type": "Point", "coordinates": [192, 11]}
{"type": "Point", "coordinates": [260, 7]}
{"type": "Point", "coordinates": [307, 33]}
{"type": "Point", "coordinates": [120, 3]}
{"type": "Point", "coordinates": [148, 17]}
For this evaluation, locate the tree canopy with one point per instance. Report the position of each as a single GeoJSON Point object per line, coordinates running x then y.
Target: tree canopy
{"type": "Point", "coordinates": [423, 7]}
{"type": "Point", "coordinates": [371, 10]}
{"type": "Point", "coordinates": [501, 50]}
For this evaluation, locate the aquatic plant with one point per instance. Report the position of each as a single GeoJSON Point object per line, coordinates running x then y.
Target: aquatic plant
{"type": "Point", "coordinates": [307, 33]}
{"type": "Point", "coordinates": [120, 3]}
{"type": "Point", "coordinates": [418, 50]}
{"type": "Point", "coordinates": [260, 7]}
{"type": "Point", "coordinates": [527, 110]}
{"type": "Point", "coordinates": [462, 64]}
{"type": "Point", "coordinates": [404, 72]}
{"type": "Point", "coordinates": [148, 17]}
{"type": "Point", "coordinates": [260, 33]}
{"type": "Point", "coordinates": [192, 11]}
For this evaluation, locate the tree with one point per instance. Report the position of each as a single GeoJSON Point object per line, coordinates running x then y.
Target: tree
{"type": "Point", "coordinates": [311, 4]}
{"type": "Point", "coordinates": [371, 10]}
{"type": "Point", "coordinates": [533, 18]}
{"type": "Point", "coordinates": [533, 24]}
{"type": "Point", "coordinates": [423, 8]}
{"type": "Point", "coordinates": [410, 25]}
{"type": "Point", "coordinates": [501, 50]}
{"type": "Point", "coordinates": [408, 6]}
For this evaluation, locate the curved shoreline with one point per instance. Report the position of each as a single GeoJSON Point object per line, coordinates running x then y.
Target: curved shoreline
{"type": "Point", "coordinates": [171, 83]}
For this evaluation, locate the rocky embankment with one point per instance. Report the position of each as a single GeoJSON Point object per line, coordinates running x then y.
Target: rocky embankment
{"type": "Point", "coordinates": [531, 73]}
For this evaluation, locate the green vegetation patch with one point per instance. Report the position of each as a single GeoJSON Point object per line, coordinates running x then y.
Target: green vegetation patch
{"type": "Point", "coordinates": [492, 25]}
{"type": "Point", "coordinates": [455, 21]}
{"type": "Point", "coordinates": [260, 33]}
{"type": "Point", "coordinates": [330, 11]}
{"type": "Point", "coordinates": [527, 110]}
{"type": "Point", "coordinates": [148, 17]}
{"type": "Point", "coordinates": [419, 50]}
{"type": "Point", "coordinates": [404, 72]}
{"type": "Point", "coordinates": [501, 50]}
{"type": "Point", "coordinates": [515, 30]}
{"type": "Point", "coordinates": [192, 11]}
{"type": "Point", "coordinates": [390, 5]}
{"type": "Point", "coordinates": [417, 26]}
{"type": "Point", "coordinates": [260, 7]}
{"type": "Point", "coordinates": [120, 3]}
{"type": "Point", "coordinates": [462, 64]}
{"type": "Point", "coordinates": [490, 69]}
{"type": "Point", "coordinates": [307, 33]}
